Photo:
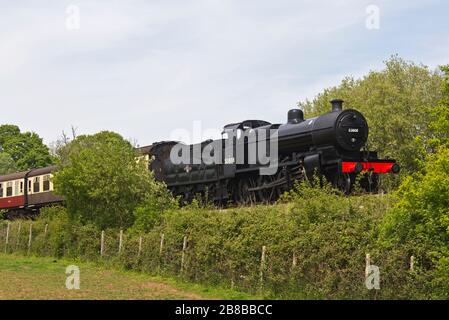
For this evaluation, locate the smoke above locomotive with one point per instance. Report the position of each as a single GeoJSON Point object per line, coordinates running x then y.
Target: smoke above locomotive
{"type": "Point", "coordinates": [256, 160]}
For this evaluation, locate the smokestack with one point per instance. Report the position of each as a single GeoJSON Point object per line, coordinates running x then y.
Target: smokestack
{"type": "Point", "coordinates": [337, 104]}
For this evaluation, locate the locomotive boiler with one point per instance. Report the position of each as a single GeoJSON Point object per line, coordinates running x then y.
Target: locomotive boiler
{"type": "Point", "coordinates": [331, 146]}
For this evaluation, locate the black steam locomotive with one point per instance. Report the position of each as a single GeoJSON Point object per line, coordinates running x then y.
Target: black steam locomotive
{"type": "Point", "coordinates": [330, 145]}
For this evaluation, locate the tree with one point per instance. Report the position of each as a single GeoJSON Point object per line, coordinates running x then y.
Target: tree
{"type": "Point", "coordinates": [7, 164]}
{"type": "Point", "coordinates": [397, 102]}
{"type": "Point", "coordinates": [419, 220]}
{"type": "Point", "coordinates": [26, 149]}
{"type": "Point", "coordinates": [101, 180]}
{"type": "Point", "coordinates": [440, 125]}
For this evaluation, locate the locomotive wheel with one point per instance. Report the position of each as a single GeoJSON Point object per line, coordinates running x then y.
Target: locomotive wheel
{"type": "Point", "coordinates": [344, 183]}
{"type": "Point", "coordinates": [280, 190]}
{"type": "Point", "coordinates": [266, 195]}
{"type": "Point", "coordinates": [244, 196]}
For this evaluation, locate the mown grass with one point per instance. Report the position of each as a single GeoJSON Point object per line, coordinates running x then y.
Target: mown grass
{"type": "Point", "coordinates": [45, 277]}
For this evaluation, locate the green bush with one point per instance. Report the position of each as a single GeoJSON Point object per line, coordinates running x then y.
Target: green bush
{"type": "Point", "coordinates": [419, 221]}
{"type": "Point", "coordinates": [102, 182]}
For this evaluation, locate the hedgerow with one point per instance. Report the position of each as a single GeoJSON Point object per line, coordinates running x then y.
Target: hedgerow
{"type": "Point", "coordinates": [316, 242]}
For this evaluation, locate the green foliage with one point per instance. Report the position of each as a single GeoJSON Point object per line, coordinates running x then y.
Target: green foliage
{"type": "Point", "coordinates": [440, 125]}
{"type": "Point", "coordinates": [398, 103]}
{"type": "Point", "coordinates": [153, 207]}
{"type": "Point", "coordinates": [7, 164]}
{"type": "Point", "coordinates": [329, 235]}
{"type": "Point", "coordinates": [419, 221]}
{"type": "Point", "coordinates": [329, 238]}
{"type": "Point", "coordinates": [25, 149]}
{"type": "Point", "coordinates": [102, 182]}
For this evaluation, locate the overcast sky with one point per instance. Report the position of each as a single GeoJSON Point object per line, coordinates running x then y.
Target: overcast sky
{"type": "Point", "coordinates": [145, 68]}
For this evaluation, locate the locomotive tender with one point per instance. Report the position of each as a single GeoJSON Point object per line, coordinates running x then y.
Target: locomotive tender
{"type": "Point", "coordinates": [329, 145]}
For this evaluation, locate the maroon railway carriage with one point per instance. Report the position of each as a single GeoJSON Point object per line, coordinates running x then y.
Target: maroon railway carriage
{"type": "Point", "coordinates": [24, 193]}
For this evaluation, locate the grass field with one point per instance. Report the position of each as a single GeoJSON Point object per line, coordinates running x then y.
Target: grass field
{"type": "Point", "coordinates": [44, 278]}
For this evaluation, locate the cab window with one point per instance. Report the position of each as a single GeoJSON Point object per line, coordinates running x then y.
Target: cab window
{"type": "Point", "coordinates": [9, 189]}
{"type": "Point", "coordinates": [36, 184]}
{"type": "Point", "coordinates": [46, 184]}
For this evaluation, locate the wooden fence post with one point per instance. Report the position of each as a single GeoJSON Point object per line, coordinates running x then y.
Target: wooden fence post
{"type": "Point", "coordinates": [102, 243]}
{"type": "Point", "coordinates": [140, 246]}
{"type": "Point", "coordinates": [120, 242]}
{"type": "Point", "coordinates": [367, 264]}
{"type": "Point", "coordinates": [412, 263]}
{"type": "Point", "coordinates": [7, 237]}
{"type": "Point", "coordinates": [183, 256]}
{"type": "Point", "coordinates": [44, 246]}
{"type": "Point", "coordinates": [161, 247]}
{"type": "Point", "coordinates": [262, 265]}
{"type": "Point", "coordinates": [18, 235]}
{"type": "Point", "coordinates": [30, 237]}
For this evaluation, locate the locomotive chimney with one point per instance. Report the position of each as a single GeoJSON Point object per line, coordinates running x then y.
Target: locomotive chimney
{"type": "Point", "coordinates": [295, 116]}
{"type": "Point", "coordinates": [337, 104]}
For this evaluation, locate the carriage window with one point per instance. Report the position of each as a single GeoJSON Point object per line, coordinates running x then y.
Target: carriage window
{"type": "Point", "coordinates": [36, 184]}
{"type": "Point", "coordinates": [21, 187]}
{"type": "Point", "coordinates": [1, 190]}
{"type": "Point", "coordinates": [9, 189]}
{"type": "Point", "coordinates": [16, 188]}
{"type": "Point", "coordinates": [46, 186]}
{"type": "Point", "coordinates": [29, 186]}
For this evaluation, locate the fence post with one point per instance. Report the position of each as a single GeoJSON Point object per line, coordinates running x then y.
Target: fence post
{"type": "Point", "coordinates": [44, 246]}
{"type": "Point", "coordinates": [18, 235]}
{"type": "Point", "coordinates": [262, 265]}
{"type": "Point", "coordinates": [412, 263]}
{"type": "Point", "coordinates": [30, 237]}
{"type": "Point", "coordinates": [294, 260]}
{"type": "Point", "coordinates": [367, 264]}
{"type": "Point", "coordinates": [120, 242]}
{"type": "Point", "coordinates": [102, 244]}
{"type": "Point", "coordinates": [140, 246]}
{"type": "Point", "coordinates": [183, 256]}
{"type": "Point", "coordinates": [7, 237]}
{"type": "Point", "coordinates": [161, 247]}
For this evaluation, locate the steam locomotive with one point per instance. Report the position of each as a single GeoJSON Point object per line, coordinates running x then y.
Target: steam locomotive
{"type": "Point", "coordinates": [330, 146]}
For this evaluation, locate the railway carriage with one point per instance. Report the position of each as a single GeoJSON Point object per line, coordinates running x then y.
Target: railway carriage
{"type": "Point", "coordinates": [24, 193]}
